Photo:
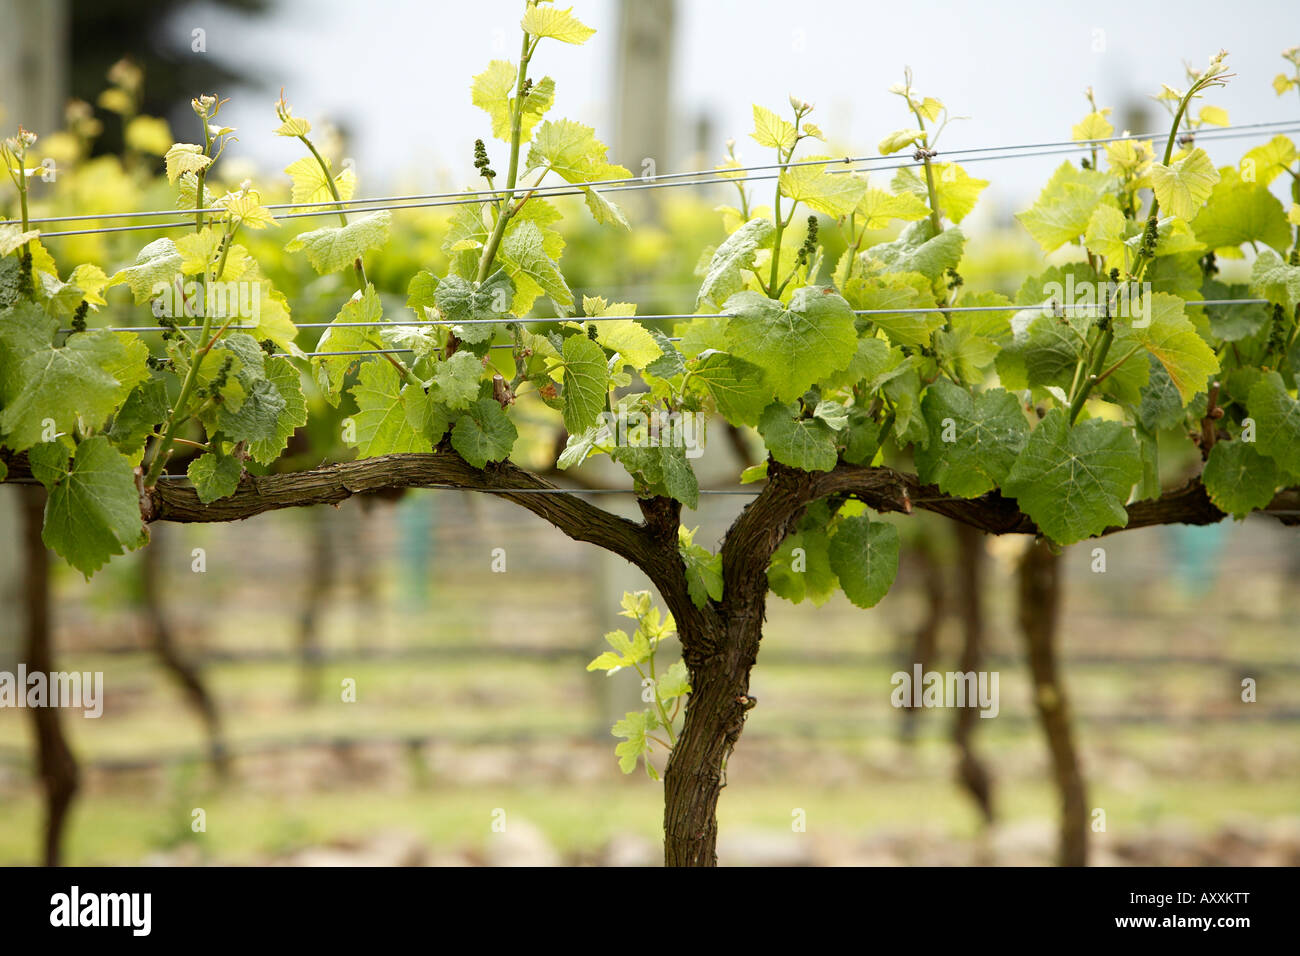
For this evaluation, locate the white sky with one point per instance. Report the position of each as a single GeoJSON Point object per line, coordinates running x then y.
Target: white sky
{"type": "Point", "coordinates": [397, 73]}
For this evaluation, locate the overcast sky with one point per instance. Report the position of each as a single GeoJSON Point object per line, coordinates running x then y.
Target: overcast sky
{"type": "Point", "coordinates": [397, 72]}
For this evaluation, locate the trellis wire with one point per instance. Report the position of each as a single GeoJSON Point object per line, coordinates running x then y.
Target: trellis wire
{"type": "Point", "coordinates": [678, 317]}
{"type": "Point", "coordinates": [714, 177]}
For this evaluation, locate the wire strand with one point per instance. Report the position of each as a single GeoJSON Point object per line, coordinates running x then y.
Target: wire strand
{"type": "Point", "coordinates": [714, 178]}
{"type": "Point", "coordinates": [716, 175]}
{"type": "Point", "coordinates": [679, 317]}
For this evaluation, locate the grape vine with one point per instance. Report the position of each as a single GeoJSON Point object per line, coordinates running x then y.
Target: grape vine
{"type": "Point", "coordinates": [1061, 411]}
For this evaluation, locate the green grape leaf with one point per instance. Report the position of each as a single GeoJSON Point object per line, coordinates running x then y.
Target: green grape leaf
{"type": "Point", "coordinates": [557, 24]}
{"type": "Point", "coordinates": [964, 352]}
{"type": "Point", "coordinates": [1240, 212]}
{"type": "Point", "coordinates": [918, 249]}
{"type": "Point", "coordinates": [332, 248]}
{"type": "Point", "coordinates": [94, 512]}
{"type": "Point", "coordinates": [679, 479]}
{"type": "Point", "coordinates": [523, 254]}
{"type": "Point", "coordinates": [428, 419]}
{"type": "Point", "coordinates": [628, 652]}
{"type": "Point", "coordinates": [661, 469]}
{"type": "Point", "coordinates": [586, 383]}
{"type": "Point", "coordinates": [1161, 404]}
{"type": "Point", "coordinates": [900, 139]}
{"type": "Point", "coordinates": [879, 207]}
{"type": "Point", "coordinates": [1074, 480]}
{"type": "Point", "coordinates": [75, 381]}
{"type": "Point", "coordinates": [347, 336]}
{"type": "Point", "coordinates": [1171, 337]}
{"type": "Point", "coordinates": [835, 194]}
{"type": "Point", "coordinates": [48, 461]}
{"type": "Point", "coordinates": [1107, 234]}
{"type": "Point", "coordinates": [801, 568]}
{"type": "Point", "coordinates": [1273, 279]}
{"type": "Point", "coordinates": [772, 131]}
{"type": "Point", "coordinates": [738, 251]}
{"type": "Point", "coordinates": [484, 433]}
{"type": "Point", "coordinates": [491, 92]}
{"type": "Point", "coordinates": [12, 237]}
{"type": "Point", "coordinates": [456, 380]}
{"type": "Point", "coordinates": [737, 386]}
{"type": "Point", "coordinates": [25, 328]}
{"type": "Point", "coordinates": [422, 290]}
{"type": "Point", "coordinates": [481, 307]}
{"type": "Point", "coordinates": [633, 341]}
{"type": "Point", "coordinates": [311, 184]}
{"type": "Point", "coordinates": [674, 682]}
{"type": "Point", "coordinates": [214, 476]}
{"type": "Point", "coordinates": [258, 417]}
{"type": "Point", "coordinates": [864, 556]}
{"type": "Point", "coordinates": [1182, 187]}
{"type": "Point", "coordinates": [633, 728]}
{"type": "Point", "coordinates": [288, 385]}
{"type": "Point", "coordinates": [703, 569]}
{"type": "Point", "coordinates": [795, 346]}
{"type": "Point", "coordinates": [157, 264]}
{"type": "Point", "coordinates": [906, 292]}
{"type": "Point", "coordinates": [1277, 417]}
{"type": "Point", "coordinates": [382, 425]}
{"type": "Point", "coordinates": [572, 151]}
{"type": "Point", "coordinates": [144, 409]}
{"type": "Point", "coordinates": [1238, 478]}
{"type": "Point", "coordinates": [974, 440]}
{"type": "Point", "coordinates": [184, 158]}
{"type": "Point", "coordinates": [1064, 208]}
{"type": "Point", "coordinates": [804, 443]}
{"type": "Point", "coordinates": [1270, 160]}
{"type": "Point", "coordinates": [958, 191]}
{"type": "Point", "coordinates": [1232, 323]}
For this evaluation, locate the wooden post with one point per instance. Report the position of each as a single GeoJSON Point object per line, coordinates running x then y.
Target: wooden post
{"type": "Point", "coordinates": [644, 75]}
{"type": "Point", "coordinates": [33, 65]}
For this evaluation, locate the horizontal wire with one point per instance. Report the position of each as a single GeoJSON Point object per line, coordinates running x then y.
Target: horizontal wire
{"type": "Point", "coordinates": [644, 318]}
{"type": "Point", "coordinates": [503, 345]}
{"type": "Point", "coordinates": [330, 207]}
{"type": "Point", "coordinates": [715, 177]}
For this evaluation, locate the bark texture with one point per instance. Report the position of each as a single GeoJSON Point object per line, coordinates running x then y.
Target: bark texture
{"type": "Point", "coordinates": [720, 641]}
{"type": "Point", "coordinates": [184, 671]}
{"type": "Point", "coordinates": [971, 770]}
{"type": "Point", "coordinates": [1040, 605]}
{"type": "Point", "coordinates": [55, 763]}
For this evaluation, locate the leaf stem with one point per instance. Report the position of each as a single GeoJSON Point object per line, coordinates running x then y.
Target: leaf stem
{"type": "Point", "coordinates": [512, 174]}
{"type": "Point", "coordinates": [782, 158]}
{"type": "Point", "coordinates": [357, 264]}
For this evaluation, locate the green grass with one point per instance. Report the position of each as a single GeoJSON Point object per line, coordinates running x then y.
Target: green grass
{"type": "Point", "coordinates": [113, 828]}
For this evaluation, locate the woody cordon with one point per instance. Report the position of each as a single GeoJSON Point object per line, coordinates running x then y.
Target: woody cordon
{"type": "Point", "coordinates": [951, 689]}
{"type": "Point", "coordinates": [83, 689]}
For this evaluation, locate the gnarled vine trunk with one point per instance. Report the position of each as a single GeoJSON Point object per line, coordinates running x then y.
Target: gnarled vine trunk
{"type": "Point", "coordinates": [1040, 605]}
{"type": "Point", "coordinates": [185, 672]}
{"type": "Point", "coordinates": [925, 639]}
{"type": "Point", "coordinates": [715, 716]}
{"type": "Point", "coordinates": [55, 763]}
{"type": "Point", "coordinates": [321, 573]}
{"type": "Point", "coordinates": [971, 771]}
